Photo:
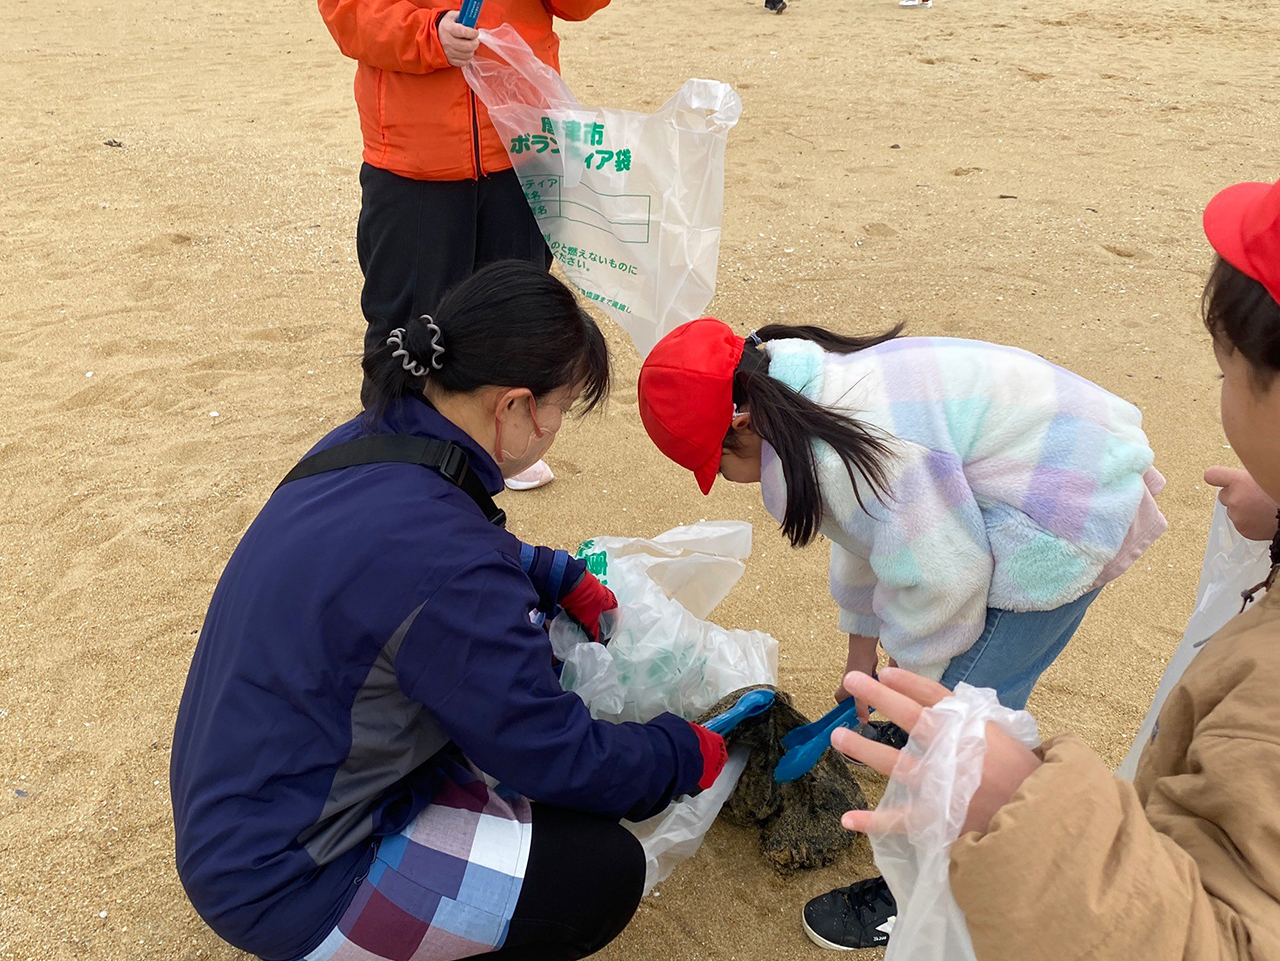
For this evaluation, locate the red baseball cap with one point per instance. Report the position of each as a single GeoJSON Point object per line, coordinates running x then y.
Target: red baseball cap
{"type": "Point", "coordinates": [1243, 226]}
{"type": "Point", "coordinates": [686, 394]}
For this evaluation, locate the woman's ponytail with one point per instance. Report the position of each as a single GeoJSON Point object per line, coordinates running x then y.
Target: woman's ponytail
{"type": "Point", "coordinates": [511, 324]}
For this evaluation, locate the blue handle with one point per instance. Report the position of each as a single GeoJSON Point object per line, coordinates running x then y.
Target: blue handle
{"type": "Point", "coordinates": [470, 12]}
{"type": "Point", "coordinates": [749, 705]}
{"type": "Point", "coordinates": [806, 744]}
{"type": "Point", "coordinates": [825, 723]}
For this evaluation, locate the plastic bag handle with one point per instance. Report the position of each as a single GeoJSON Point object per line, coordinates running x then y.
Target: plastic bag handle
{"type": "Point", "coordinates": [510, 47]}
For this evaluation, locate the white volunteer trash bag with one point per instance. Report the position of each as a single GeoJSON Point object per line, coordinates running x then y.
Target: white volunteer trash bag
{"type": "Point", "coordinates": [944, 757]}
{"type": "Point", "coordinates": [630, 203]}
{"type": "Point", "coordinates": [1231, 566]}
{"type": "Point", "coordinates": [663, 656]}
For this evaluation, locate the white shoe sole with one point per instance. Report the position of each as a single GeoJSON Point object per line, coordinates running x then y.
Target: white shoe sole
{"type": "Point", "coordinates": [819, 940]}
{"type": "Point", "coordinates": [539, 475]}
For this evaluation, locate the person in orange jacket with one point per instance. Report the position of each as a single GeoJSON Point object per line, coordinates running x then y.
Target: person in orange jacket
{"type": "Point", "coordinates": [439, 199]}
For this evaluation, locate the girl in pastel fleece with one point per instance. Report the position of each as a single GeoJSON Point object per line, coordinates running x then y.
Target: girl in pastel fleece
{"type": "Point", "coordinates": [977, 498]}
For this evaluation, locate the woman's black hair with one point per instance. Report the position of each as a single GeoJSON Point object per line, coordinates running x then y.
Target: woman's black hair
{"type": "Point", "coordinates": [789, 422]}
{"type": "Point", "coordinates": [1241, 315]}
{"type": "Point", "coordinates": [511, 324]}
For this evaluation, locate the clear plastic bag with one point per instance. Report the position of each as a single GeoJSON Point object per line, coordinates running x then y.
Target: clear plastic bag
{"type": "Point", "coordinates": [663, 656]}
{"type": "Point", "coordinates": [676, 834]}
{"type": "Point", "coordinates": [944, 758]}
{"type": "Point", "coordinates": [1231, 566]}
{"type": "Point", "coordinates": [631, 204]}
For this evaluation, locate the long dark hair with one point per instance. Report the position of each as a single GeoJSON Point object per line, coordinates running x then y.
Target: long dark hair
{"type": "Point", "coordinates": [790, 423]}
{"type": "Point", "coordinates": [1241, 315]}
{"type": "Point", "coordinates": [511, 324]}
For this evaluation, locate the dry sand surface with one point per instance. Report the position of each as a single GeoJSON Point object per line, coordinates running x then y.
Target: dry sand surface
{"type": "Point", "coordinates": [179, 321]}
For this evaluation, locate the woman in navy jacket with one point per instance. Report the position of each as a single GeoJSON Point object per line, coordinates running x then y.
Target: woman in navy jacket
{"type": "Point", "coordinates": [371, 648]}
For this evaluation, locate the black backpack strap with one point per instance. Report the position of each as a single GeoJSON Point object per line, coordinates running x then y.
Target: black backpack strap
{"type": "Point", "coordinates": [445, 457]}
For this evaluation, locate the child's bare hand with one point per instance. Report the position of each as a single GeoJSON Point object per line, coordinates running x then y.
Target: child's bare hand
{"type": "Point", "coordinates": [1251, 511]}
{"type": "Point", "coordinates": [459, 43]}
{"type": "Point", "coordinates": [863, 656]}
{"type": "Point", "coordinates": [901, 697]}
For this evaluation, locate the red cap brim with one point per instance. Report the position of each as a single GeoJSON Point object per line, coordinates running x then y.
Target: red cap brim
{"type": "Point", "coordinates": [706, 474]}
{"type": "Point", "coordinates": [1224, 221]}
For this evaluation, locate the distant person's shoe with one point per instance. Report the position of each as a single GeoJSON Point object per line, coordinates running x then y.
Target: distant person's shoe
{"type": "Point", "coordinates": [777, 6]}
{"type": "Point", "coordinates": [539, 475]}
{"type": "Point", "coordinates": [847, 919]}
{"type": "Point", "coordinates": [925, 4]}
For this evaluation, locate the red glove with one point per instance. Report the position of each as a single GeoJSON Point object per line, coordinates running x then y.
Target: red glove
{"type": "Point", "coordinates": [714, 755]}
{"type": "Point", "coordinates": [586, 602]}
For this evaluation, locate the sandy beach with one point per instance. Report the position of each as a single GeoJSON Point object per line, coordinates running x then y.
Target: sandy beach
{"type": "Point", "coordinates": [179, 321]}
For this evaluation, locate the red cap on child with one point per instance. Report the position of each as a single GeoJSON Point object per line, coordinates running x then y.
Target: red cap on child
{"type": "Point", "coordinates": [686, 395]}
{"type": "Point", "coordinates": [1243, 226]}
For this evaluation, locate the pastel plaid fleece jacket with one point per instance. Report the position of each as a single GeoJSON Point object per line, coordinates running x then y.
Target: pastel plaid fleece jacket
{"type": "Point", "coordinates": [1014, 484]}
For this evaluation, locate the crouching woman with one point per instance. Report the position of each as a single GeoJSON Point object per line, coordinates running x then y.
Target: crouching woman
{"type": "Point", "coordinates": [373, 755]}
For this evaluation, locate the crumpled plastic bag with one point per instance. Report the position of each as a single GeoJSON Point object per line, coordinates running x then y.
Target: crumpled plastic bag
{"type": "Point", "coordinates": [663, 656]}
{"type": "Point", "coordinates": [631, 204]}
{"type": "Point", "coordinates": [944, 757]}
{"type": "Point", "coordinates": [1231, 566]}
{"type": "Point", "coordinates": [676, 834]}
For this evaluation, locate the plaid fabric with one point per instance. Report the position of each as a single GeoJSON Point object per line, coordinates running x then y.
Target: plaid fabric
{"type": "Point", "coordinates": [1014, 484]}
{"type": "Point", "coordinates": [445, 887]}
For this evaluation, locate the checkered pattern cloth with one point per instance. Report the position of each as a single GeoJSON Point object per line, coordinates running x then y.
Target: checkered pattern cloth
{"type": "Point", "coordinates": [1015, 484]}
{"type": "Point", "coordinates": [444, 888]}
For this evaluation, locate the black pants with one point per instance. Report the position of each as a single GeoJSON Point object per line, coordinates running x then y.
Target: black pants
{"type": "Point", "coordinates": [581, 887]}
{"type": "Point", "coordinates": [418, 238]}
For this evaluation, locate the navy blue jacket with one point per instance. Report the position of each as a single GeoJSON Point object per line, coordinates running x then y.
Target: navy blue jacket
{"type": "Point", "coordinates": [369, 619]}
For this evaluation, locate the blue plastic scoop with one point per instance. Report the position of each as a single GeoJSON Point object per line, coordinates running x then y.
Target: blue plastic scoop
{"type": "Point", "coordinates": [751, 704]}
{"type": "Point", "coordinates": [807, 733]}
{"type": "Point", "coordinates": [805, 744]}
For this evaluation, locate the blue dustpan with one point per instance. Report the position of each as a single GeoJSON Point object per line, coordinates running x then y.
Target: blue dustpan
{"type": "Point", "coordinates": [806, 744]}
{"type": "Point", "coordinates": [750, 704]}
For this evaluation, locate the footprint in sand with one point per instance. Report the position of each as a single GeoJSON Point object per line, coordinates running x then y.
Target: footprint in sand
{"type": "Point", "coordinates": [165, 241]}
{"type": "Point", "coordinates": [880, 231]}
{"type": "Point", "coordinates": [1126, 253]}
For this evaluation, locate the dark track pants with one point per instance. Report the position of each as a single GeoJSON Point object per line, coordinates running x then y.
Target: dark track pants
{"type": "Point", "coordinates": [418, 238]}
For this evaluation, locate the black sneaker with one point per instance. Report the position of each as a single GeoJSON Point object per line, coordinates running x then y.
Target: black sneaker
{"type": "Point", "coordinates": [884, 732]}
{"type": "Point", "coordinates": [777, 6]}
{"type": "Point", "coordinates": [846, 919]}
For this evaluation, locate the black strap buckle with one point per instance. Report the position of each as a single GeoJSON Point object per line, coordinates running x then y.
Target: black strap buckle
{"type": "Point", "coordinates": [454, 465]}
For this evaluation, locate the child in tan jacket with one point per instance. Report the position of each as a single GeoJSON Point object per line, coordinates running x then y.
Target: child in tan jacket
{"type": "Point", "coordinates": [1061, 860]}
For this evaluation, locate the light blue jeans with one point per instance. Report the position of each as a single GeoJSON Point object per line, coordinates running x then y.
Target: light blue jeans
{"type": "Point", "coordinates": [1015, 649]}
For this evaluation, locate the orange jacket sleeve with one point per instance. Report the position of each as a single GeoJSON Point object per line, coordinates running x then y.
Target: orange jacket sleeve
{"type": "Point", "coordinates": [388, 34]}
{"type": "Point", "coordinates": [574, 9]}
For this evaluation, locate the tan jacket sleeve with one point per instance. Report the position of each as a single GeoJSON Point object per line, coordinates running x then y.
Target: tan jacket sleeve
{"type": "Point", "coordinates": [1073, 867]}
